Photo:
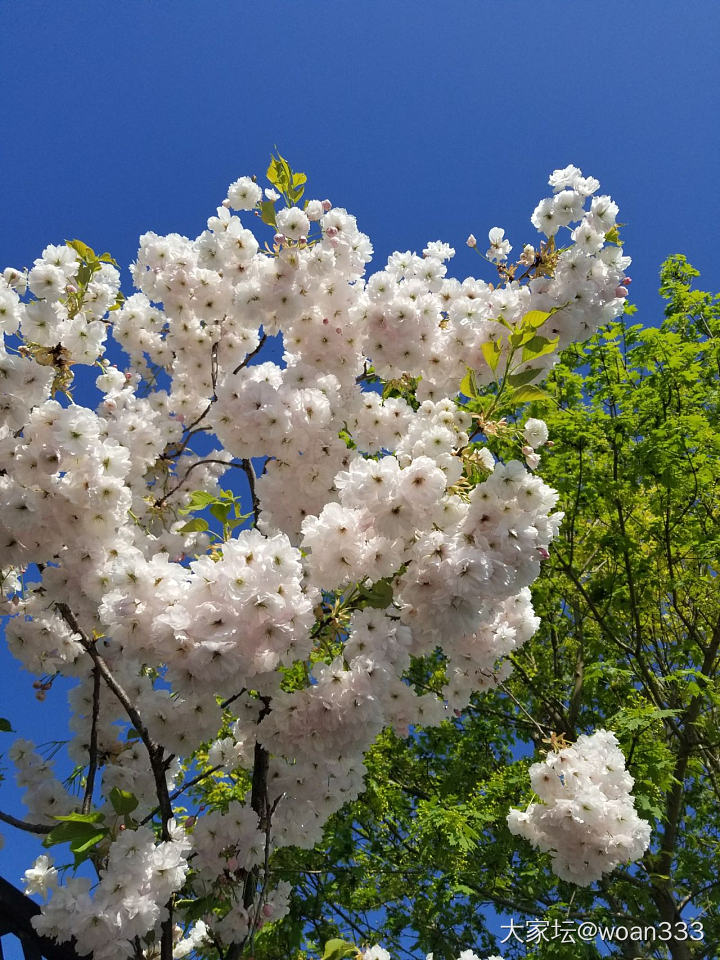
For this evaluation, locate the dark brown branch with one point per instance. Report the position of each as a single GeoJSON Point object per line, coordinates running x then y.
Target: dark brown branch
{"type": "Point", "coordinates": [93, 749]}
{"type": "Point", "coordinates": [155, 753]}
{"type": "Point", "coordinates": [253, 353]}
{"type": "Point", "coordinates": [250, 474]}
{"type": "Point", "coordinates": [39, 828]}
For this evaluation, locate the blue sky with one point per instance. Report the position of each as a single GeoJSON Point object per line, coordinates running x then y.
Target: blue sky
{"type": "Point", "coordinates": [427, 120]}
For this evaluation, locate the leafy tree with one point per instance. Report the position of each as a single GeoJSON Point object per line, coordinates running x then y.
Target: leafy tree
{"type": "Point", "coordinates": [630, 641]}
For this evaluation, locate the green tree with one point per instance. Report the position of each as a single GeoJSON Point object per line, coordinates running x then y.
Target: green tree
{"type": "Point", "coordinates": [630, 641]}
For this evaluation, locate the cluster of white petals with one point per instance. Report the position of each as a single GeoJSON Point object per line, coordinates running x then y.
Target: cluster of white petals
{"type": "Point", "coordinates": [272, 353]}
{"type": "Point", "coordinates": [379, 953]}
{"type": "Point", "coordinates": [586, 818]}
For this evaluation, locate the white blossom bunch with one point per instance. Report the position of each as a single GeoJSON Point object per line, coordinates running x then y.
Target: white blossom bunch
{"type": "Point", "coordinates": [586, 818]}
{"type": "Point", "coordinates": [378, 527]}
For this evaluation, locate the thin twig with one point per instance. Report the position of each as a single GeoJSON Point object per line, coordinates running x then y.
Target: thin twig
{"type": "Point", "coordinates": [198, 463]}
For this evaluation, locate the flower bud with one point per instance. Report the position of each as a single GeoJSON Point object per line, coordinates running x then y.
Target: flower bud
{"type": "Point", "coordinates": [326, 205]}
{"type": "Point", "coordinates": [621, 291]}
{"type": "Point", "coordinates": [471, 241]}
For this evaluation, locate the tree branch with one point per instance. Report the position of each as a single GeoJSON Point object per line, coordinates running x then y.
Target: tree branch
{"type": "Point", "coordinates": [93, 751]}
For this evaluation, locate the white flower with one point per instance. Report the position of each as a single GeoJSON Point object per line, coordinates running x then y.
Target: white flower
{"type": "Point", "coordinates": [244, 194]}
{"type": "Point", "coordinates": [292, 223]}
{"type": "Point", "coordinates": [499, 248]}
{"type": "Point", "coordinates": [535, 432]}
{"type": "Point", "coordinates": [375, 953]}
{"type": "Point", "coordinates": [41, 877]}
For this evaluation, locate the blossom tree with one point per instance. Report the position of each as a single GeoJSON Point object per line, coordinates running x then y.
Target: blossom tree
{"type": "Point", "coordinates": [260, 637]}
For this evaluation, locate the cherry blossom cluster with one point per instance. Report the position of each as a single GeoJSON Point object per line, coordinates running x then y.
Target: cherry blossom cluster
{"type": "Point", "coordinates": [586, 818]}
{"type": "Point", "coordinates": [379, 953]}
{"type": "Point", "coordinates": [381, 526]}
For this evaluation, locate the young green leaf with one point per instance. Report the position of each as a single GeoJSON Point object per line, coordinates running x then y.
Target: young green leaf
{"type": "Point", "coordinates": [123, 801]}
{"type": "Point", "coordinates": [337, 949]}
{"type": "Point", "coordinates": [196, 525]}
{"type": "Point", "coordinates": [528, 393]}
{"type": "Point", "coordinates": [534, 319]}
{"type": "Point", "coordinates": [468, 387]}
{"type": "Point", "coordinates": [491, 352]}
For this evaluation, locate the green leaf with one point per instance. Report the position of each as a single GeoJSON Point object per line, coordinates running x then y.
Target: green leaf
{"type": "Point", "coordinates": [84, 845]}
{"type": "Point", "coordinates": [613, 236]}
{"type": "Point", "coordinates": [76, 834]}
{"type": "Point", "coordinates": [199, 499]}
{"type": "Point", "coordinates": [519, 337]}
{"type": "Point", "coordinates": [538, 346]}
{"type": "Point", "coordinates": [94, 817]}
{"type": "Point", "coordinates": [82, 249]}
{"type": "Point", "coordinates": [468, 387]}
{"type": "Point", "coordinates": [123, 801]}
{"type": "Point", "coordinates": [528, 393]}
{"type": "Point", "coordinates": [220, 511]}
{"type": "Point", "coordinates": [267, 212]}
{"type": "Point", "coordinates": [298, 179]}
{"type": "Point", "coordinates": [380, 595]}
{"type": "Point", "coordinates": [534, 319]}
{"type": "Point", "coordinates": [196, 525]}
{"type": "Point", "coordinates": [107, 258]}
{"type": "Point", "coordinates": [337, 949]}
{"type": "Point", "coordinates": [491, 352]}
{"type": "Point", "coordinates": [525, 376]}
{"type": "Point", "coordinates": [5, 726]}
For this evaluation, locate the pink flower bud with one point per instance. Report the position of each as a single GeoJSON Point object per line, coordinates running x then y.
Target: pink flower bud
{"type": "Point", "coordinates": [279, 238]}
{"type": "Point", "coordinates": [621, 291]}
{"type": "Point", "coordinates": [326, 205]}
{"type": "Point", "coordinates": [267, 910]}
{"type": "Point", "coordinates": [549, 443]}
{"type": "Point", "coordinates": [226, 204]}
{"type": "Point", "coordinates": [627, 281]}
{"type": "Point", "coordinates": [543, 553]}
{"type": "Point", "coordinates": [471, 241]}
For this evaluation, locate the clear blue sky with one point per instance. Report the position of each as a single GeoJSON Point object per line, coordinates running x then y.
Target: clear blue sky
{"type": "Point", "coordinates": [428, 120]}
